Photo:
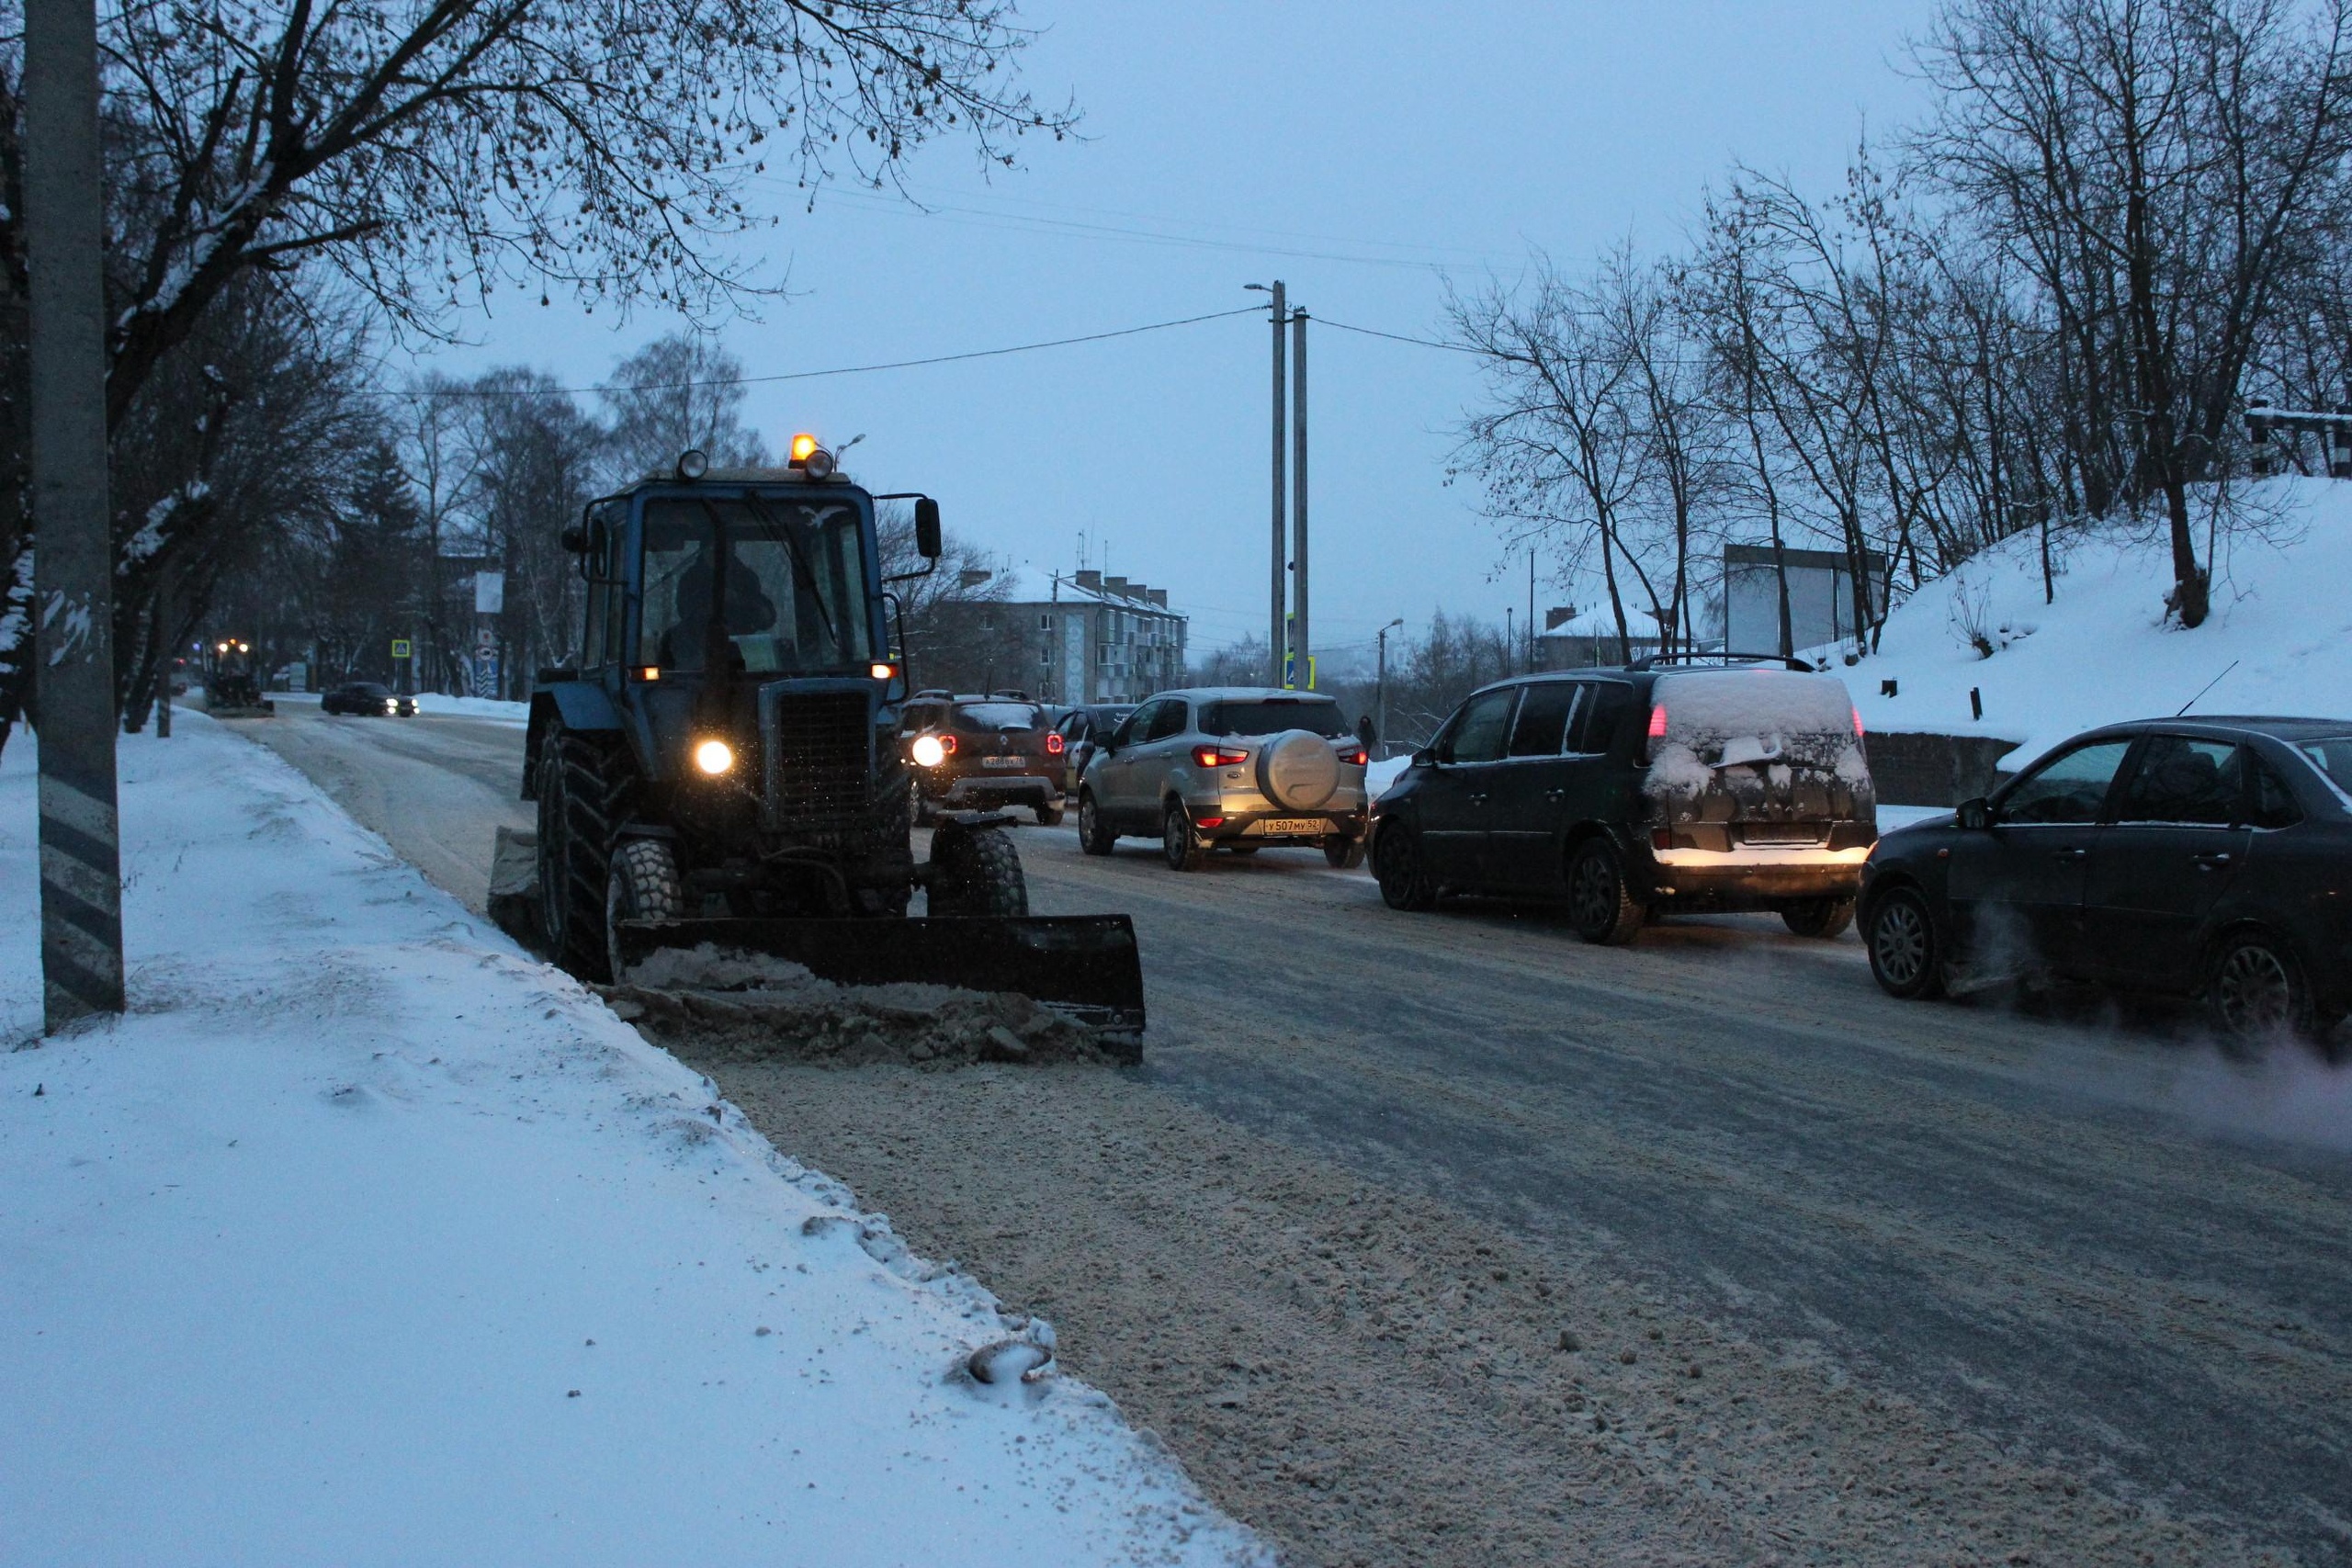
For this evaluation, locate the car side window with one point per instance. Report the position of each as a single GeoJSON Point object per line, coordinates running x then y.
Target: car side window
{"type": "Point", "coordinates": [1479, 730]}
{"type": "Point", "coordinates": [2068, 789]}
{"type": "Point", "coordinates": [1542, 722]}
{"type": "Point", "coordinates": [2184, 779]}
{"type": "Point", "coordinates": [1137, 725]}
{"type": "Point", "coordinates": [2273, 802]}
{"type": "Point", "coordinates": [1606, 703]}
{"type": "Point", "coordinates": [1168, 720]}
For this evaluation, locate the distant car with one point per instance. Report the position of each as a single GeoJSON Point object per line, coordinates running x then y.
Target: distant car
{"type": "Point", "coordinates": [367, 698]}
{"type": "Point", "coordinates": [1658, 788]}
{"type": "Point", "coordinates": [1082, 729]}
{"type": "Point", "coordinates": [980, 753]}
{"type": "Point", "coordinates": [1232, 768]}
{"type": "Point", "coordinates": [2196, 857]}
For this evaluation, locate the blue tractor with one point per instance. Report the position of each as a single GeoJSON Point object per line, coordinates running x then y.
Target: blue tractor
{"type": "Point", "coordinates": [718, 763]}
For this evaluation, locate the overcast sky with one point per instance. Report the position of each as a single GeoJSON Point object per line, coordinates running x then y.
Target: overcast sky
{"type": "Point", "coordinates": [1363, 154]}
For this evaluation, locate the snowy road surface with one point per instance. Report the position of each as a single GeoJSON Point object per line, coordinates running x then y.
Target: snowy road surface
{"type": "Point", "coordinates": [1959, 1282]}
{"type": "Point", "coordinates": [365, 1238]}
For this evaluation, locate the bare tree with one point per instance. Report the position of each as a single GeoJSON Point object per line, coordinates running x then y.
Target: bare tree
{"type": "Point", "coordinates": [426, 152]}
{"type": "Point", "coordinates": [678, 391]}
{"type": "Point", "coordinates": [2147, 161]}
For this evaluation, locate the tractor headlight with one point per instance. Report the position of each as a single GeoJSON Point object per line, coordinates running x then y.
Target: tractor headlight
{"type": "Point", "coordinates": [928, 752]}
{"type": "Point", "coordinates": [714, 757]}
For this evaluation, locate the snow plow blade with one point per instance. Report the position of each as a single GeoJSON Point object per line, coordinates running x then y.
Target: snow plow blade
{"type": "Point", "coordinates": [1084, 966]}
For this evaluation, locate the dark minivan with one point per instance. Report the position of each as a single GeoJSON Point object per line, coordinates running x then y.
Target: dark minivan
{"type": "Point", "coordinates": [2195, 857]}
{"type": "Point", "coordinates": [1665, 786]}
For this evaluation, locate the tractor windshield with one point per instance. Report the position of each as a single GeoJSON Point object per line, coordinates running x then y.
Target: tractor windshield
{"type": "Point", "coordinates": [794, 580]}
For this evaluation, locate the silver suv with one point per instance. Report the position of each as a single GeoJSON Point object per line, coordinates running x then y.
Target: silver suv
{"type": "Point", "coordinates": [1227, 768]}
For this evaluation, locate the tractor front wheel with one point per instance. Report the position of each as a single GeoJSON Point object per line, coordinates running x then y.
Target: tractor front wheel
{"type": "Point", "coordinates": [643, 885]}
{"type": "Point", "coordinates": [975, 872]}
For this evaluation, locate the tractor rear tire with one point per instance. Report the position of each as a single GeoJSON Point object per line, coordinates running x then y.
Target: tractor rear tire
{"type": "Point", "coordinates": [644, 884]}
{"type": "Point", "coordinates": [975, 872]}
{"type": "Point", "coordinates": [586, 789]}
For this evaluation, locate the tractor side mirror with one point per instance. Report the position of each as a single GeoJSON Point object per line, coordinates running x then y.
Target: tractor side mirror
{"type": "Point", "coordinates": [928, 542]}
{"type": "Point", "coordinates": [1974, 815]}
{"type": "Point", "coordinates": [575, 539]}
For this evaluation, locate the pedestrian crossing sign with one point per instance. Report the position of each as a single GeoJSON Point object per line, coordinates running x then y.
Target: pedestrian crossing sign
{"type": "Point", "coordinates": [399, 648]}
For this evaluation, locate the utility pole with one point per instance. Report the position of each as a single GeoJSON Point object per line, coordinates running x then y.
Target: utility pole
{"type": "Point", "coordinates": [1380, 689]}
{"type": "Point", "coordinates": [1277, 640]}
{"type": "Point", "coordinates": [81, 857]}
{"type": "Point", "coordinates": [1302, 659]}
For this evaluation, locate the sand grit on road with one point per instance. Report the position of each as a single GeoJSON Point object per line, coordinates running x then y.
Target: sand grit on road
{"type": "Point", "coordinates": [1374, 1379]}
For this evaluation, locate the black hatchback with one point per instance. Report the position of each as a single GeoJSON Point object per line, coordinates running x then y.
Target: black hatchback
{"type": "Point", "coordinates": [2205, 858]}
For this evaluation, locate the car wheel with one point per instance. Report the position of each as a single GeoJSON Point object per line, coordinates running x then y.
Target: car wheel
{"type": "Point", "coordinates": [1599, 907]}
{"type": "Point", "coordinates": [1906, 954]}
{"type": "Point", "coordinates": [1177, 843]}
{"type": "Point", "coordinates": [1050, 816]}
{"type": "Point", "coordinates": [1094, 835]}
{"type": "Point", "coordinates": [2256, 991]}
{"type": "Point", "coordinates": [1342, 852]}
{"type": "Point", "coordinates": [1397, 867]}
{"type": "Point", "coordinates": [1820, 918]}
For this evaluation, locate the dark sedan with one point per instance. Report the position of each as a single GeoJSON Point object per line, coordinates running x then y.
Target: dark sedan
{"type": "Point", "coordinates": [367, 698]}
{"type": "Point", "coordinates": [2208, 858]}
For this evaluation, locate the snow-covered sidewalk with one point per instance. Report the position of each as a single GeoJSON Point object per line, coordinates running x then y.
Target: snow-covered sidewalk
{"type": "Point", "coordinates": [366, 1238]}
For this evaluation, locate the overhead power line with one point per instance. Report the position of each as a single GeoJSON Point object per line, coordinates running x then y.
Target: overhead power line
{"type": "Point", "coordinates": [479, 391]}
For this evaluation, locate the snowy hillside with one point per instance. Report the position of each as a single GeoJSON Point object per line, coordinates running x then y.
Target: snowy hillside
{"type": "Point", "coordinates": [2282, 613]}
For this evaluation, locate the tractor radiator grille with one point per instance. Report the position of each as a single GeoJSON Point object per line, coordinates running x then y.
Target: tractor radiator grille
{"type": "Point", "coordinates": [820, 763]}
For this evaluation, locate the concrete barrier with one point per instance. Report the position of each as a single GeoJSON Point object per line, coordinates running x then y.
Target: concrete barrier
{"type": "Point", "coordinates": [1921, 769]}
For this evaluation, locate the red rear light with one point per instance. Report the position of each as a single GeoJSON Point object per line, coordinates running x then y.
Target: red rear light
{"type": "Point", "coordinates": [1658, 722]}
{"type": "Point", "coordinates": [1054, 744]}
{"type": "Point", "coordinates": [1359, 756]}
{"type": "Point", "coordinates": [1858, 724]}
{"type": "Point", "coordinates": [1208, 822]}
{"type": "Point", "coordinates": [947, 744]}
{"type": "Point", "coordinates": [1219, 756]}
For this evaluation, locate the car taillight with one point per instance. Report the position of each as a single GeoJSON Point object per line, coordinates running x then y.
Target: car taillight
{"type": "Point", "coordinates": [1658, 722]}
{"type": "Point", "coordinates": [1219, 756]}
{"type": "Point", "coordinates": [1055, 744]}
{"type": "Point", "coordinates": [1208, 822]}
{"type": "Point", "coordinates": [1858, 724]}
{"type": "Point", "coordinates": [1359, 756]}
{"type": "Point", "coordinates": [947, 744]}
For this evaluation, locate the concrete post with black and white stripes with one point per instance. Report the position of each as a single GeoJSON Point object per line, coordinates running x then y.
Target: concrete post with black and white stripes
{"type": "Point", "coordinates": [80, 866]}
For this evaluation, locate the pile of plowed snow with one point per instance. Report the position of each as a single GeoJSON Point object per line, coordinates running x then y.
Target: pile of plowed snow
{"type": "Point", "coordinates": [730, 1006]}
{"type": "Point", "coordinates": [2279, 640]}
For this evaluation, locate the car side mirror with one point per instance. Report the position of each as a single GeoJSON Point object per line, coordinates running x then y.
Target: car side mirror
{"type": "Point", "coordinates": [929, 541]}
{"type": "Point", "coordinates": [1974, 815]}
{"type": "Point", "coordinates": [1424, 758]}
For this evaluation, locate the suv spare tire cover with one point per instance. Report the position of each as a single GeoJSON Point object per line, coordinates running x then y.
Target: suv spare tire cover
{"type": "Point", "coordinates": [1297, 769]}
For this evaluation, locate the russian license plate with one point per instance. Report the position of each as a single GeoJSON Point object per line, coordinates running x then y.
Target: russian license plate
{"type": "Point", "coordinates": [1781, 833]}
{"type": "Point", "coordinates": [1005, 762]}
{"type": "Point", "coordinates": [1288, 827]}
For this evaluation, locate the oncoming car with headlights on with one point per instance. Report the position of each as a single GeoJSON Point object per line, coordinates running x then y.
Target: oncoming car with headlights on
{"type": "Point", "coordinates": [1233, 768]}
